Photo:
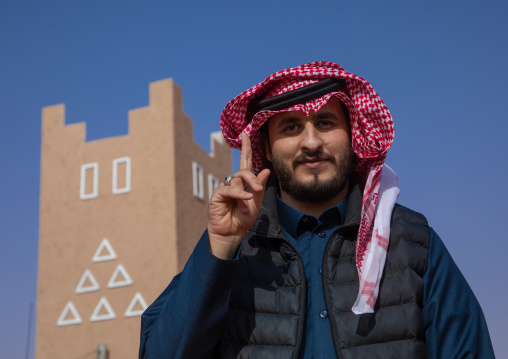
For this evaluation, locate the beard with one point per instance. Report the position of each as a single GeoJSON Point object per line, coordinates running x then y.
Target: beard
{"type": "Point", "coordinates": [314, 190]}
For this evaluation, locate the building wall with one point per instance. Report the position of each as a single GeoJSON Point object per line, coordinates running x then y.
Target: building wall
{"type": "Point", "coordinates": [151, 227]}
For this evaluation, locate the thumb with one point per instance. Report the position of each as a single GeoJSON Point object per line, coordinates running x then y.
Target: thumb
{"type": "Point", "coordinates": [263, 176]}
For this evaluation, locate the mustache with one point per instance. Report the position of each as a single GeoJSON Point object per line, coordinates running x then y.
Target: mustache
{"type": "Point", "coordinates": [319, 155]}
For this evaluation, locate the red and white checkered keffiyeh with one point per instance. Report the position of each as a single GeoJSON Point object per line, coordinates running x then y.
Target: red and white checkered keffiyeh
{"type": "Point", "coordinates": [371, 133]}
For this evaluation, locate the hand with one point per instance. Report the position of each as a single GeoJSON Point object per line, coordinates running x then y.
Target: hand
{"type": "Point", "coordinates": [234, 209]}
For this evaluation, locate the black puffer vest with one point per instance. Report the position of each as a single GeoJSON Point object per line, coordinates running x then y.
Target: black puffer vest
{"type": "Point", "coordinates": [268, 301]}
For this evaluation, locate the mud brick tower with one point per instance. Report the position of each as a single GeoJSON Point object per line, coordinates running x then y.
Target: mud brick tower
{"type": "Point", "coordinates": [118, 219]}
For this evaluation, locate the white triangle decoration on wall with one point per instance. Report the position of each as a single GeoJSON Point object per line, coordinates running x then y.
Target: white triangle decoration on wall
{"type": "Point", "coordinates": [115, 283]}
{"type": "Point", "coordinates": [105, 246]}
{"type": "Point", "coordinates": [69, 307]}
{"type": "Point", "coordinates": [136, 300]}
{"type": "Point", "coordinates": [88, 283]}
{"type": "Point", "coordinates": [93, 286]}
{"type": "Point", "coordinates": [103, 303]}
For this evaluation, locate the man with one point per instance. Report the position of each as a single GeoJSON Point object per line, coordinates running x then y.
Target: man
{"type": "Point", "coordinates": [306, 254]}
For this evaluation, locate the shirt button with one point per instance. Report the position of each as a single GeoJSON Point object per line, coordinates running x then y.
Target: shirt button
{"type": "Point", "coordinates": [305, 219]}
{"type": "Point", "coordinates": [323, 314]}
{"type": "Point", "coordinates": [322, 234]}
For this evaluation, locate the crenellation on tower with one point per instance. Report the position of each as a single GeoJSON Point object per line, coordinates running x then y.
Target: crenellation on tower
{"type": "Point", "coordinates": [53, 125]}
{"type": "Point", "coordinates": [53, 117]}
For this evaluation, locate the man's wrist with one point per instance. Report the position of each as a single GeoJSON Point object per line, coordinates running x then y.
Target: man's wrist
{"type": "Point", "coordinates": [222, 250]}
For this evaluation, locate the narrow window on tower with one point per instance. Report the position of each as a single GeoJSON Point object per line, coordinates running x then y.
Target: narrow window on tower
{"type": "Point", "coordinates": [213, 183]}
{"type": "Point", "coordinates": [89, 182]}
{"type": "Point", "coordinates": [121, 175]}
{"type": "Point", "coordinates": [197, 181]}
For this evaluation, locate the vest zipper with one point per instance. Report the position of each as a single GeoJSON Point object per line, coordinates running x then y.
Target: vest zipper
{"type": "Point", "coordinates": [326, 290]}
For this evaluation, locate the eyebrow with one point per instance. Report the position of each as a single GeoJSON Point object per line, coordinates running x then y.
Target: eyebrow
{"type": "Point", "coordinates": [293, 119]}
{"type": "Point", "coordinates": [325, 115]}
{"type": "Point", "coordinates": [287, 120]}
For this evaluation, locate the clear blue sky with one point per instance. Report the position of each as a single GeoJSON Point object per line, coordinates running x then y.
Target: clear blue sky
{"type": "Point", "coordinates": [440, 66]}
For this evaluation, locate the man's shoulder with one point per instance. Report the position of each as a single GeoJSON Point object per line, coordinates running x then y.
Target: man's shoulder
{"type": "Point", "coordinates": [405, 214]}
{"type": "Point", "coordinates": [410, 225]}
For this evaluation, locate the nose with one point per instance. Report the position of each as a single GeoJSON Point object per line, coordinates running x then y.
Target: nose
{"type": "Point", "coordinates": [311, 139]}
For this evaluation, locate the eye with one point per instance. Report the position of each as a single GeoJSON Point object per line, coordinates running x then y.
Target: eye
{"type": "Point", "coordinates": [325, 124]}
{"type": "Point", "coordinates": [291, 129]}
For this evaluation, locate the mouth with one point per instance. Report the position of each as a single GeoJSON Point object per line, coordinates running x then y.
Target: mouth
{"type": "Point", "coordinates": [313, 162]}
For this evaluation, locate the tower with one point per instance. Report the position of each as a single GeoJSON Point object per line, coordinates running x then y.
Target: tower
{"type": "Point", "coordinates": [118, 219]}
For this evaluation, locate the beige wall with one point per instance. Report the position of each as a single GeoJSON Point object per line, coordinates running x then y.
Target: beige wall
{"type": "Point", "coordinates": [152, 228]}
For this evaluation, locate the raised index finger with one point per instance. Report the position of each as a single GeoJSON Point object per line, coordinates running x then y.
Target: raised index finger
{"type": "Point", "coordinates": [246, 153]}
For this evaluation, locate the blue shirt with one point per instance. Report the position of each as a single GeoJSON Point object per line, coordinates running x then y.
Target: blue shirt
{"type": "Point", "coordinates": [309, 235]}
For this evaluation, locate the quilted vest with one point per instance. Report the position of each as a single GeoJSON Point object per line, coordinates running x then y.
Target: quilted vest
{"type": "Point", "coordinates": [268, 301]}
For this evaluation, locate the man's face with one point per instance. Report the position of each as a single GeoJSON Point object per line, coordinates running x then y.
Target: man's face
{"type": "Point", "coordinates": [311, 156]}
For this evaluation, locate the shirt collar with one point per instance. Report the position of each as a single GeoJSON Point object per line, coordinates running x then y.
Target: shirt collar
{"type": "Point", "coordinates": [295, 222]}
